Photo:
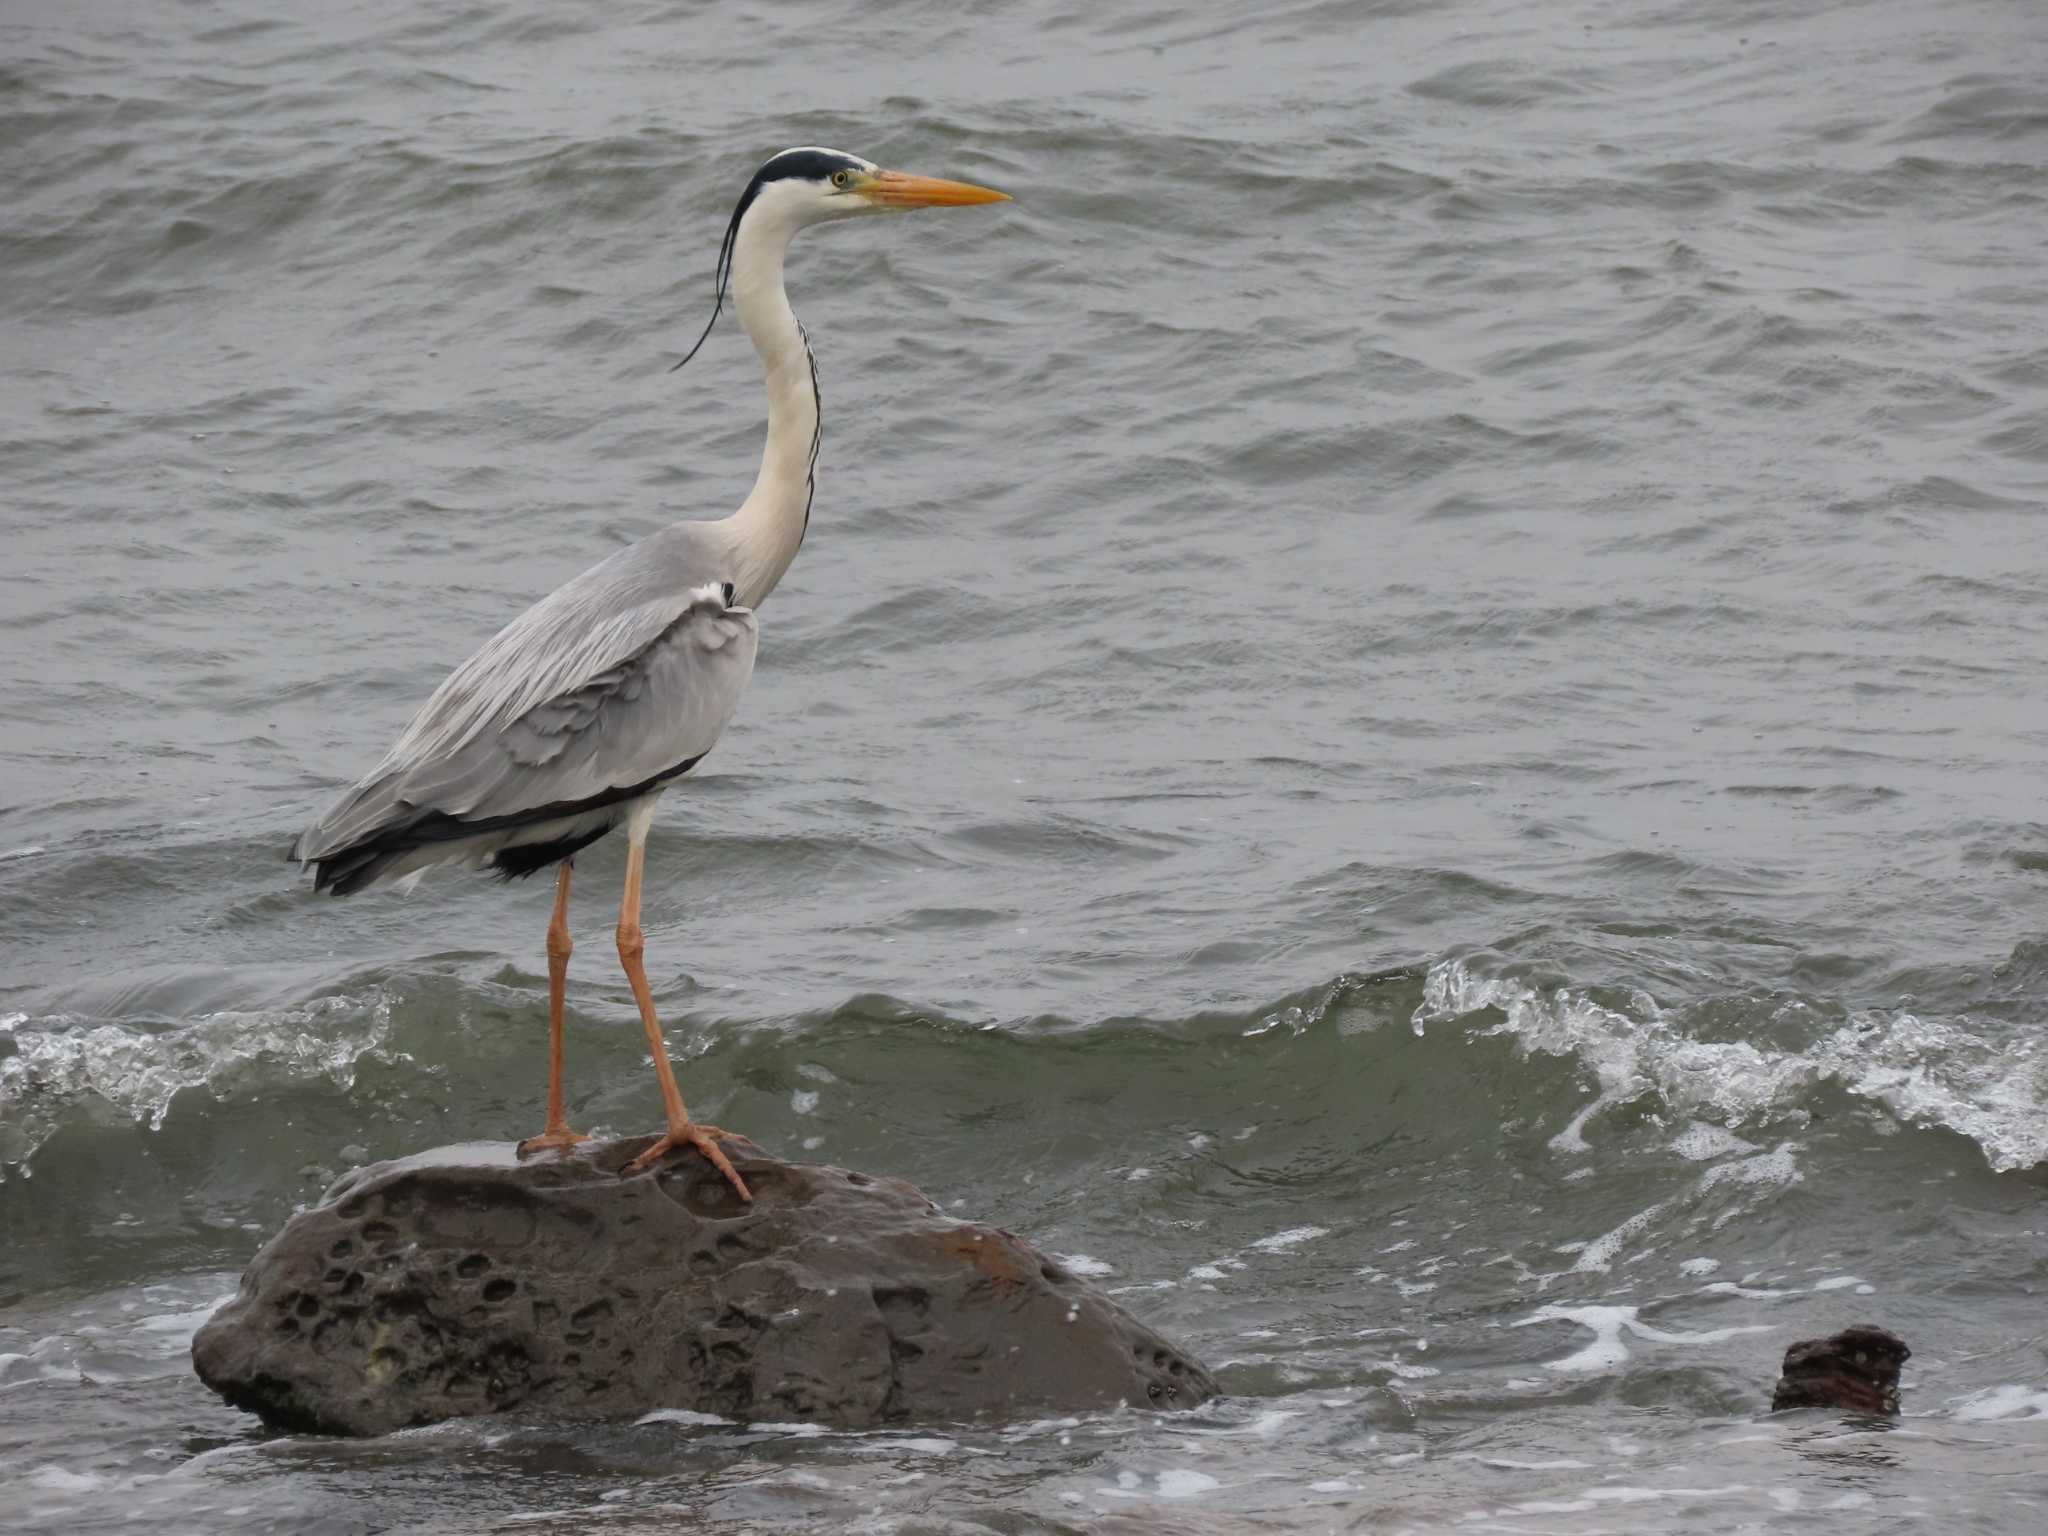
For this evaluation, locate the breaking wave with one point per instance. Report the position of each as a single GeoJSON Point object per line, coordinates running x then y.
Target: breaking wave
{"type": "Point", "coordinates": [1978, 1079]}
{"type": "Point", "coordinates": [52, 1069]}
{"type": "Point", "coordinates": [1764, 1064]}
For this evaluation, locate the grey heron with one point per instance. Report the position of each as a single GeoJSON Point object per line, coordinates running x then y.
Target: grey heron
{"type": "Point", "coordinates": [575, 717]}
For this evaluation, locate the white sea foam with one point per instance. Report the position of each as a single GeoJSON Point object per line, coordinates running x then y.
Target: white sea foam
{"type": "Point", "coordinates": [1702, 1143]}
{"type": "Point", "coordinates": [1747, 1293]}
{"type": "Point", "coordinates": [138, 1333]}
{"type": "Point", "coordinates": [2007, 1402]}
{"type": "Point", "coordinates": [1608, 1324]}
{"type": "Point", "coordinates": [1924, 1071]}
{"type": "Point", "coordinates": [1610, 1493]}
{"type": "Point", "coordinates": [1407, 1370]}
{"type": "Point", "coordinates": [1510, 1464]}
{"type": "Point", "coordinates": [1775, 1167]}
{"type": "Point", "coordinates": [62, 1479]}
{"type": "Point", "coordinates": [1597, 1257]}
{"type": "Point", "coordinates": [1276, 1243]}
{"type": "Point", "coordinates": [687, 1416]}
{"type": "Point", "coordinates": [1086, 1264]}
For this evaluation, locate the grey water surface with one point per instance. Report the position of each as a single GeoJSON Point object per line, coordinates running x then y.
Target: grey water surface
{"type": "Point", "coordinates": [1410, 726]}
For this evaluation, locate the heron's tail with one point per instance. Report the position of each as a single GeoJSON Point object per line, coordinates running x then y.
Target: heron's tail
{"type": "Point", "coordinates": [366, 832]}
{"type": "Point", "coordinates": [352, 869]}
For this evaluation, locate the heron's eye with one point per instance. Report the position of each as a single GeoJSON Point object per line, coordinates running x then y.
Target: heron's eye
{"type": "Point", "coordinates": [842, 179]}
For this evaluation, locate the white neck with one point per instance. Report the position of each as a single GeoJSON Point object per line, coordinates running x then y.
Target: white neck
{"type": "Point", "coordinates": [770, 523]}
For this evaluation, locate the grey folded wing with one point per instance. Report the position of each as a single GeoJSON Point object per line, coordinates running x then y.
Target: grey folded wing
{"type": "Point", "coordinates": [555, 715]}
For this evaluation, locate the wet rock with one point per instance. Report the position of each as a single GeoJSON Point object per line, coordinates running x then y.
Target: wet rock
{"type": "Point", "coordinates": [1857, 1370]}
{"type": "Point", "coordinates": [462, 1281]}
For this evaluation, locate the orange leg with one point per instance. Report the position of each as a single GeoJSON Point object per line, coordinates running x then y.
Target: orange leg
{"type": "Point", "coordinates": [632, 945]}
{"type": "Point", "coordinates": [557, 1134]}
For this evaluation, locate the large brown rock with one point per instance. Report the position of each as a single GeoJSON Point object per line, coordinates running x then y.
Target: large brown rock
{"type": "Point", "coordinates": [463, 1281]}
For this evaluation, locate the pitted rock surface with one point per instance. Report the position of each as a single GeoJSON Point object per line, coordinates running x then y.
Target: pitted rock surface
{"type": "Point", "coordinates": [463, 1281]}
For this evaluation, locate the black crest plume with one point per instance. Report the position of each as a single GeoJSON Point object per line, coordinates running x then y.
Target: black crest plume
{"type": "Point", "coordinates": [723, 276]}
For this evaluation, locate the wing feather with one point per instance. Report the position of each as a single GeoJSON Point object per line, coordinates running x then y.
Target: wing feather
{"type": "Point", "coordinates": [573, 701]}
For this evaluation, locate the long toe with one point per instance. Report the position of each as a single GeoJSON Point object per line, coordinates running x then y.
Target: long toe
{"type": "Point", "coordinates": [704, 1138]}
{"type": "Point", "coordinates": [550, 1141]}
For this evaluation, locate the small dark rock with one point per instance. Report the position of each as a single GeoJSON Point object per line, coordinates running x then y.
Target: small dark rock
{"type": "Point", "coordinates": [1856, 1371]}
{"type": "Point", "coordinates": [463, 1281]}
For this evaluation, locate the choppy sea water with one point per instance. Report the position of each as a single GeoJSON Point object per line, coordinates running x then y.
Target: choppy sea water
{"type": "Point", "coordinates": [1409, 728]}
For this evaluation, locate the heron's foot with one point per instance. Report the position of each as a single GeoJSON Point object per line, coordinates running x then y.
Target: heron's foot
{"type": "Point", "coordinates": [556, 1138]}
{"type": "Point", "coordinates": [705, 1139]}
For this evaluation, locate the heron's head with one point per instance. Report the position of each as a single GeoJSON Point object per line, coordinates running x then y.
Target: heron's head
{"type": "Point", "coordinates": [815, 186]}
{"type": "Point", "coordinates": [809, 185]}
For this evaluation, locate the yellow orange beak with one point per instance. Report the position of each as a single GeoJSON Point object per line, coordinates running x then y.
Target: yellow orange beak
{"type": "Point", "coordinates": [899, 189]}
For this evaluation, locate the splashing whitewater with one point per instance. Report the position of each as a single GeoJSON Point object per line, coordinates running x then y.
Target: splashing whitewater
{"type": "Point", "coordinates": [58, 1063]}
{"type": "Point", "coordinates": [1924, 1071]}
